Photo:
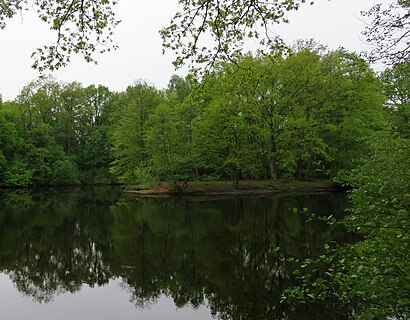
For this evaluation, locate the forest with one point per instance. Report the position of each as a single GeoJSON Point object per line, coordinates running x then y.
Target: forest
{"type": "Point", "coordinates": [313, 113]}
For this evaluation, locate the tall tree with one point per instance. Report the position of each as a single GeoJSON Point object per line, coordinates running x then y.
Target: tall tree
{"type": "Point", "coordinates": [129, 129]}
{"type": "Point", "coordinates": [98, 103]}
{"type": "Point", "coordinates": [397, 90]}
{"type": "Point", "coordinates": [70, 109]}
{"type": "Point", "coordinates": [49, 133]}
{"type": "Point", "coordinates": [94, 155]}
{"type": "Point", "coordinates": [227, 137]}
{"type": "Point", "coordinates": [12, 171]}
{"type": "Point", "coordinates": [352, 108]}
{"type": "Point", "coordinates": [171, 149]}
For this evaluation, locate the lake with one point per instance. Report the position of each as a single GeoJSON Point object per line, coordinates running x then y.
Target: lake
{"type": "Point", "coordinates": [100, 253]}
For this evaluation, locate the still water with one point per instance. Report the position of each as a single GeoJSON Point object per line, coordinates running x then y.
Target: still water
{"type": "Point", "coordinates": [103, 254]}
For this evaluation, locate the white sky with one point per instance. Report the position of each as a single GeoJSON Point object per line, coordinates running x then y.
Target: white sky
{"type": "Point", "coordinates": [334, 23]}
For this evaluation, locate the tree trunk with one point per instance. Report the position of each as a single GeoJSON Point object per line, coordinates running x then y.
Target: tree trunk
{"type": "Point", "coordinates": [299, 170]}
{"type": "Point", "coordinates": [309, 166]}
{"type": "Point", "coordinates": [273, 170]}
{"type": "Point", "coordinates": [235, 177]}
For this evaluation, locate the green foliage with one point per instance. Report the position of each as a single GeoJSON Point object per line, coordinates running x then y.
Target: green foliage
{"type": "Point", "coordinates": [65, 172]}
{"type": "Point", "coordinates": [397, 90]}
{"type": "Point", "coordinates": [11, 142]}
{"type": "Point", "coordinates": [221, 134]}
{"type": "Point", "coordinates": [304, 151]}
{"type": "Point", "coordinates": [374, 272]}
{"type": "Point", "coordinates": [128, 133]}
{"type": "Point", "coordinates": [300, 116]}
{"type": "Point", "coordinates": [83, 27]}
{"type": "Point", "coordinates": [211, 31]}
{"type": "Point", "coordinates": [226, 26]}
{"type": "Point", "coordinates": [354, 110]}
{"type": "Point", "coordinates": [95, 157]}
{"type": "Point", "coordinates": [152, 133]}
{"type": "Point", "coordinates": [59, 132]}
{"type": "Point", "coordinates": [381, 203]}
{"type": "Point", "coordinates": [165, 143]}
{"type": "Point", "coordinates": [144, 177]}
{"type": "Point", "coordinates": [303, 115]}
{"type": "Point", "coordinates": [18, 175]}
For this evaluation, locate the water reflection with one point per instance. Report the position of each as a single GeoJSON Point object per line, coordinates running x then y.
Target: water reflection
{"type": "Point", "coordinates": [193, 251]}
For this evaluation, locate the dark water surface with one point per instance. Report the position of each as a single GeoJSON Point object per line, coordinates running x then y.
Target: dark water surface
{"type": "Point", "coordinates": [102, 254]}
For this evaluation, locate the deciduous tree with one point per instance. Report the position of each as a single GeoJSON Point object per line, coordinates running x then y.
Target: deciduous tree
{"type": "Point", "coordinates": [130, 127]}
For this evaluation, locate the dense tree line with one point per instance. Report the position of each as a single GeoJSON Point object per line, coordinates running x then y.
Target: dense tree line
{"type": "Point", "coordinates": [303, 115]}
{"type": "Point", "coordinates": [54, 134]}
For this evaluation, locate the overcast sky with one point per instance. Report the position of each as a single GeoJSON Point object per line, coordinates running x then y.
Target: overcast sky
{"type": "Point", "coordinates": [334, 23]}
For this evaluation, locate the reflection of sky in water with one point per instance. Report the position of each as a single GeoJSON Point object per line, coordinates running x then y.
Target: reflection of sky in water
{"type": "Point", "coordinates": [107, 302]}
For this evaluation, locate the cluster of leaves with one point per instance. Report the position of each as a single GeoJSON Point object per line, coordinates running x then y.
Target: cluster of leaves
{"type": "Point", "coordinates": [226, 25]}
{"type": "Point", "coordinates": [81, 27]}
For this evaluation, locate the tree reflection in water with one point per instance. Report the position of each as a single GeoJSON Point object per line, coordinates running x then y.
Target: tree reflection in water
{"type": "Point", "coordinates": [214, 252]}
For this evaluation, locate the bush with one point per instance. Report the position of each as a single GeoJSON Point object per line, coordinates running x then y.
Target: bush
{"type": "Point", "coordinates": [65, 172]}
{"type": "Point", "coordinates": [18, 175]}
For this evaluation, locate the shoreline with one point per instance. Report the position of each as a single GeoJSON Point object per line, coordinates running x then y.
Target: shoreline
{"type": "Point", "coordinates": [226, 188]}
